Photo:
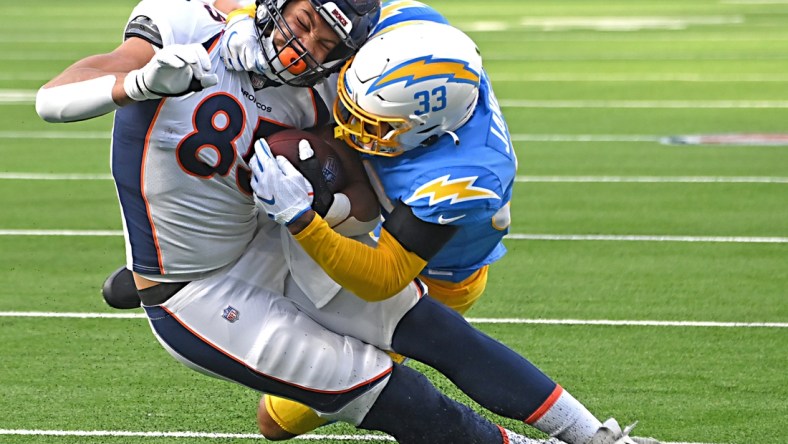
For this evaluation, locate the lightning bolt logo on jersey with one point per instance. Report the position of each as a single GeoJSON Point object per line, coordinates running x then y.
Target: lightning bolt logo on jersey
{"type": "Point", "coordinates": [453, 190]}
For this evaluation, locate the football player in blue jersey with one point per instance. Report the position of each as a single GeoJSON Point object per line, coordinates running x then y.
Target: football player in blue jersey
{"type": "Point", "coordinates": [418, 105]}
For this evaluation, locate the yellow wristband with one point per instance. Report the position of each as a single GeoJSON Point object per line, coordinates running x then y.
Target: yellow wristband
{"type": "Point", "coordinates": [246, 10]}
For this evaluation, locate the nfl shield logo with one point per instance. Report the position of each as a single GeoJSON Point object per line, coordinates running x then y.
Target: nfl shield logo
{"type": "Point", "coordinates": [330, 170]}
{"type": "Point", "coordinates": [230, 314]}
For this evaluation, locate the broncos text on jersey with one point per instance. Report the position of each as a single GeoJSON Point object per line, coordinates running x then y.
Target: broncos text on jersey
{"type": "Point", "coordinates": [180, 163]}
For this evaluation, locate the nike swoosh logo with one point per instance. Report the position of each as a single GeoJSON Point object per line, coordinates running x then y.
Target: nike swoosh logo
{"type": "Point", "coordinates": [270, 201]}
{"type": "Point", "coordinates": [444, 221]}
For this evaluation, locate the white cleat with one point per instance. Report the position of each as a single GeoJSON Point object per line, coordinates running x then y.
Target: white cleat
{"type": "Point", "coordinates": [514, 438]}
{"type": "Point", "coordinates": [611, 433]}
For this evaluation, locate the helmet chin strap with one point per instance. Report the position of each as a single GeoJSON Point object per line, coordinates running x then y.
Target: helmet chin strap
{"type": "Point", "coordinates": [464, 119]}
{"type": "Point", "coordinates": [454, 137]}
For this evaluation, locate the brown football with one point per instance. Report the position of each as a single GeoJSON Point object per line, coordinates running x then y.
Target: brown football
{"type": "Point", "coordinates": [285, 143]}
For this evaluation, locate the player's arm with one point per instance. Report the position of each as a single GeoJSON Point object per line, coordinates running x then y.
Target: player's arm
{"type": "Point", "coordinates": [134, 71]}
{"type": "Point", "coordinates": [94, 85]}
{"type": "Point", "coordinates": [405, 246]}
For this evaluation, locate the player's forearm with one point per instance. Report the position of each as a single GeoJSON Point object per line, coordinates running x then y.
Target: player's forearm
{"type": "Point", "coordinates": [373, 274]}
{"type": "Point", "coordinates": [84, 95]}
{"type": "Point", "coordinates": [93, 86]}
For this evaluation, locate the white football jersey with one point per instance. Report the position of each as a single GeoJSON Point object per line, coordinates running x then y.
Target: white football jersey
{"type": "Point", "coordinates": [180, 163]}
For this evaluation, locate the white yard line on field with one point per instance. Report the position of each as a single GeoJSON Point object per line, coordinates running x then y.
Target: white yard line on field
{"type": "Point", "coordinates": [611, 322]}
{"type": "Point", "coordinates": [517, 137]}
{"type": "Point", "coordinates": [61, 233]}
{"type": "Point", "coordinates": [582, 138]}
{"type": "Point", "coordinates": [527, 36]}
{"type": "Point", "coordinates": [531, 179]}
{"type": "Point", "coordinates": [121, 433]}
{"type": "Point", "coordinates": [602, 23]}
{"type": "Point", "coordinates": [27, 75]}
{"type": "Point", "coordinates": [634, 57]}
{"type": "Point", "coordinates": [647, 238]}
{"type": "Point", "coordinates": [754, 2]}
{"type": "Point", "coordinates": [744, 56]}
{"type": "Point", "coordinates": [80, 38]}
{"type": "Point", "coordinates": [647, 104]}
{"type": "Point", "coordinates": [511, 236]}
{"type": "Point", "coordinates": [646, 77]}
{"type": "Point", "coordinates": [55, 135]}
{"type": "Point", "coordinates": [647, 179]}
{"type": "Point", "coordinates": [704, 140]}
{"type": "Point", "coordinates": [53, 176]}
{"type": "Point", "coordinates": [17, 97]}
{"type": "Point", "coordinates": [511, 77]}
{"type": "Point", "coordinates": [603, 322]}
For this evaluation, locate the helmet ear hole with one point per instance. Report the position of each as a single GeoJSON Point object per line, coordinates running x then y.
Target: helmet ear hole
{"type": "Point", "coordinates": [425, 130]}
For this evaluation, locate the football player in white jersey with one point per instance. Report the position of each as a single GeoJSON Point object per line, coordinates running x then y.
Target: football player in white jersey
{"type": "Point", "coordinates": [554, 405]}
{"type": "Point", "coordinates": [417, 95]}
{"type": "Point", "coordinates": [210, 274]}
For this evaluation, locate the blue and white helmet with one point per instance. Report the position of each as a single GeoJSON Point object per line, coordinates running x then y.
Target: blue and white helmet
{"type": "Point", "coordinates": [351, 20]}
{"type": "Point", "coordinates": [406, 88]}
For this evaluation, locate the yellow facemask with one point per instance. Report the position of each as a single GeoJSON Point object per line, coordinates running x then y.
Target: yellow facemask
{"type": "Point", "coordinates": [366, 132]}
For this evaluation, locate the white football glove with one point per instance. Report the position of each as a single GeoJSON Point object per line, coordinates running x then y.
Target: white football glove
{"type": "Point", "coordinates": [282, 191]}
{"type": "Point", "coordinates": [240, 48]}
{"type": "Point", "coordinates": [175, 70]}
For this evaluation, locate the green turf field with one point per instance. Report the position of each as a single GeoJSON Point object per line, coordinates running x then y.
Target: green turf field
{"type": "Point", "coordinates": [694, 237]}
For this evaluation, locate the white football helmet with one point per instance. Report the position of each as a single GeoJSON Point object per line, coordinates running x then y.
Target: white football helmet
{"type": "Point", "coordinates": [407, 87]}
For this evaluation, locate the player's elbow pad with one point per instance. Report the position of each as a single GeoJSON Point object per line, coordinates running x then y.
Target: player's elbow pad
{"type": "Point", "coordinates": [76, 101]}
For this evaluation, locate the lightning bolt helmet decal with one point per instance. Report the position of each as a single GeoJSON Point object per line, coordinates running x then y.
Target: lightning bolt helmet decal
{"type": "Point", "coordinates": [422, 69]}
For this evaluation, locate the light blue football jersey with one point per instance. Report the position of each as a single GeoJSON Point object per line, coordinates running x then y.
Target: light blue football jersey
{"type": "Point", "coordinates": [394, 13]}
{"type": "Point", "coordinates": [467, 185]}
